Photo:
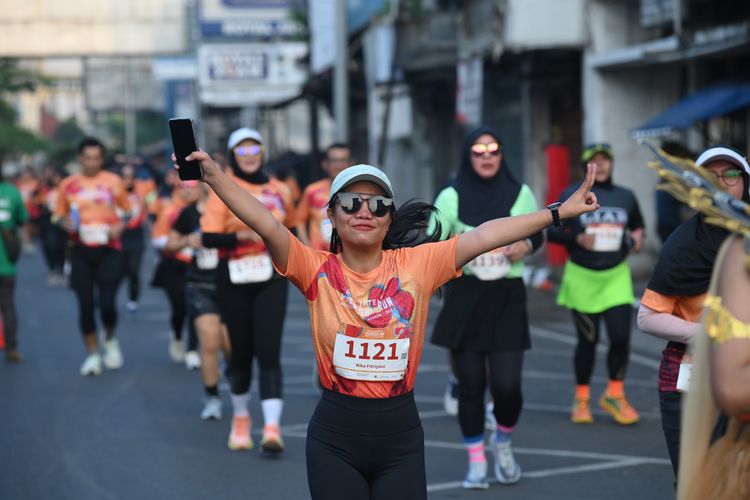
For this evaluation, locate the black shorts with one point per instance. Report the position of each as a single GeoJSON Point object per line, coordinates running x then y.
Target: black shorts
{"type": "Point", "coordinates": [366, 448]}
{"type": "Point", "coordinates": [200, 299]}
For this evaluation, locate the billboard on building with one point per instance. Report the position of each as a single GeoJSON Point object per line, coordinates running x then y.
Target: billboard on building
{"type": "Point", "coordinates": [254, 19]}
{"type": "Point", "coordinates": [469, 81]}
{"type": "Point", "coordinates": [322, 20]}
{"type": "Point", "coordinates": [246, 74]}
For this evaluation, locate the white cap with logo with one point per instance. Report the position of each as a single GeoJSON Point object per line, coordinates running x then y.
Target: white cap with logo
{"type": "Point", "coordinates": [242, 134]}
{"type": "Point", "coordinates": [726, 154]}
{"type": "Point", "coordinates": [723, 153]}
{"type": "Point", "coordinates": [358, 173]}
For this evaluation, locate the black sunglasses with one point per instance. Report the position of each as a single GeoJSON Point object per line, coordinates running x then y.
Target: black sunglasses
{"type": "Point", "coordinates": [378, 205]}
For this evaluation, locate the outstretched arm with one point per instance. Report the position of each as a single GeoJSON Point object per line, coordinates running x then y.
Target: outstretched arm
{"type": "Point", "coordinates": [247, 208]}
{"type": "Point", "coordinates": [507, 230]}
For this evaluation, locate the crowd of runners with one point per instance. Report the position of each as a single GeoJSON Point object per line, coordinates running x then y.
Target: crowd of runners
{"type": "Point", "coordinates": [228, 248]}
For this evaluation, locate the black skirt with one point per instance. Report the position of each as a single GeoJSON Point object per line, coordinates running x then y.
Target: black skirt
{"type": "Point", "coordinates": [483, 316]}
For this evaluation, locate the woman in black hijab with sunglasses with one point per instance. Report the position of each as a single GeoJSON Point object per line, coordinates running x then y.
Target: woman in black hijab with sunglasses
{"type": "Point", "coordinates": [484, 321]}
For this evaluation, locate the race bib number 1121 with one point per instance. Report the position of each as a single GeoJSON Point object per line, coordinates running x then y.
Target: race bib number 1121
{"type": "Point", "coordinates": [371, 359]}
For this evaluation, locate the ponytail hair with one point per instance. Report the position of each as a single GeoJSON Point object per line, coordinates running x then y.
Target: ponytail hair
{"type": "Point", "coordinates": [409, 227]}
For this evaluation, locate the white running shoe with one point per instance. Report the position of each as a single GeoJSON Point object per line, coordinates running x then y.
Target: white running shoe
{"type": "Point", "coordinates": [112, 354]}
{"type": "Point", "coordinates": [92, 365]}
{"type": "Point", "coordinates": [476, 477]}
{"type": "Point", "coordinates": [176, 350]}
{"type": "Point", "coordinates": [450, 398]}
{"type": "Point", "coordinates": [507, 470]}
{"type": "Point", "coordinates": [132, 307]}
{"type": "Point", "coordinates": [211, 409]}
{"type": "Point", "coordinates": [192, 360]}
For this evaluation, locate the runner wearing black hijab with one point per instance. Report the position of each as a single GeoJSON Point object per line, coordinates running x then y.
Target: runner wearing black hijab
{"type": "Point", "coordinates": [484, 321]}
{"type": "Point", "coordinates": [672, 306]}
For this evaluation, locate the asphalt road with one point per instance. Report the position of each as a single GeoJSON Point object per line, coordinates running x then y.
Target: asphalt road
{"type": "Point", "coordinates": [135, 433]}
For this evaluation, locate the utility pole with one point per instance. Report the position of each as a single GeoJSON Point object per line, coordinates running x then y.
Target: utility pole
{"type": "Point", "coordinates": [341, 75]}
{"type": "Point", "coordinates": [130, 107]}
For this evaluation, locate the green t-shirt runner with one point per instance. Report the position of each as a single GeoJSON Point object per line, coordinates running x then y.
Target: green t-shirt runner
{"type": "Point", "coordinates": [12, 215]}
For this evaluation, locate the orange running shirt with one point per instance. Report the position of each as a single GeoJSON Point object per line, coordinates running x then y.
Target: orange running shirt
{"type": "Point", "coordinates": [146, 189]}
{"type": "Point", "coordinates": [138, 210]}
{"type": "Point", "coordinates": [168, 211]}
{"type": "Point", "coordinates": [363, 323]}
{"type": "Point", "coordinates": [687, 307]}
{"type": "Point", "coordinates": [313, 212]}
{"type": "Point", "coordinates": [100, 200]}
{"type": "Point", "coordinates": [217, 218]}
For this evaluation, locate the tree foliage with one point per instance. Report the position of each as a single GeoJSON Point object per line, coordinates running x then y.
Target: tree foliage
{"type": "Point", "coordinates": [15, 139]}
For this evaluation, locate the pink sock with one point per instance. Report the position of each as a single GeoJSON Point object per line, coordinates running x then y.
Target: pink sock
{"type": "Point", "coordinates": [476, 451]}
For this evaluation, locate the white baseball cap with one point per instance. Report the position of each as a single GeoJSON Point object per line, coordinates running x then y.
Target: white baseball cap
{"type": "Point", "coordinates": [358, 173]}
{"type": "Point", "coordinates": [723, 153]}
{"type": "Point", "coordinates": [242, 134]}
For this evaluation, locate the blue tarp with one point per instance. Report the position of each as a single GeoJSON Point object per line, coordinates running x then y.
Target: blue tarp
{"type": "Point", "coordinates": [702, 105]}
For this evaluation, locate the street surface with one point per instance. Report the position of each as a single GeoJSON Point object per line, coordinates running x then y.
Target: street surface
{"type": "Point", "coordinates": [135, 433]}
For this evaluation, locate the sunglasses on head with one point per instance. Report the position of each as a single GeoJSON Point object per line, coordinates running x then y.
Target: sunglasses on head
{"type": "Point", "coordinates": [253, 150]}
{"type": "Point", "coordinates": [479, 149]}
{"type": "Point", "coordinates": [378, 205]}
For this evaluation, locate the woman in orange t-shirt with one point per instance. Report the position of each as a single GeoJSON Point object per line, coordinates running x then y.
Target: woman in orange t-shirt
{"type": "Point", "coordinates": [133, 238]}
{"type": "Point", "coordinates": [251, 296]}
{"type": "Point", "coordinates": [171, 270]}
{"type": "Point", "coordinates": [368, 302]}
{"type": "Point", "coordinates": [53, 238]}
{"type": "Point", "coordinates": [92, 207]}
{"type": "Point", "coordinates": [672, 305]}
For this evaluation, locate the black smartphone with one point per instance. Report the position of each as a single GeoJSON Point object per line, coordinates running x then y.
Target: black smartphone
{"type": "Point", "coordinates": [184, 143]}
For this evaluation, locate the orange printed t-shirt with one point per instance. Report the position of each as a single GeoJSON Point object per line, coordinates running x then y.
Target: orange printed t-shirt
{"type": "Point", "coordinates": [146, 189]}
{"type": "Point", "coordinates": [689, 308]}
{"type": "Point", "coordinates": [28, 189]}
{"type": "Point", "coordinates": [313, 212]}
{"type": "Point", "coordinates": [217, 218]}
{"type": "Point", "coordinates": [138, 210]}
{"type": "Point", "coordinates": [101, 201]}
{"type": "Point", "coordinates": [169, 211]}
{"type": "Point", "coordinates": [390, 302]}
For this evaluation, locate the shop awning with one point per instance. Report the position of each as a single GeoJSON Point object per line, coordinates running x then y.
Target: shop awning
{"type": "Point", "coordinates": [702, 105]}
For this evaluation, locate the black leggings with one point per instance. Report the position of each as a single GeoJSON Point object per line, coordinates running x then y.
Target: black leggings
{"type": "Point", "coordinates": [366, 449]}
{"type": "Point", "coordinates": [618, 321]}
{"type": "Point", "coordinates": [670, 406]}
{"type": "Point", "coordinates": [254, 315]}
{"type": "Point", "coordinates": [132, 246]}
{"type": "Point", "coordinates": [470, 368]}
{"type": "Point", "coordinates": [53, 244]}
{"type": "Point", "coordinates": [95, 267]}
{"type": "Point", "coordinates": [174, 288]}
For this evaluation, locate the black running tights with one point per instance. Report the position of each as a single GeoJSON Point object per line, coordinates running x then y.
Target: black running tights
{"type": "Point", "coordinates": [471, 369]}
{"type": "Point", "coordinates": [618, 320]}
{"type": "Point", "coordinates": [254, 315]}
{"type": "Point", "coordinates": [99, 268]}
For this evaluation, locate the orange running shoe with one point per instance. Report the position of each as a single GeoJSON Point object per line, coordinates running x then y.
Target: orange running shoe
{"type": "Point", "coordinates": [272, 441]}
{"type": "Point", "coordinates": [619, 408]}
{"type": "Point", "coordinates": [581, 413]}
{"type": "Point", "coordinates": [239, 437]}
